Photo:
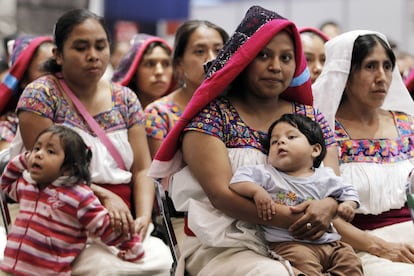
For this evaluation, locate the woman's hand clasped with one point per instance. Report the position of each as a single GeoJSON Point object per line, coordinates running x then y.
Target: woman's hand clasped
{"type": "Point", "coordinates": [121, 218]}
{"type": "Point", "coordinates": [316, 220]}
{"type": "Point", "coordinates": [141, 226]}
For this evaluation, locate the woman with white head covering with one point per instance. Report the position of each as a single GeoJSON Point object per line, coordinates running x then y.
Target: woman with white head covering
{"type": "Point", "coordinates": [365, 100]}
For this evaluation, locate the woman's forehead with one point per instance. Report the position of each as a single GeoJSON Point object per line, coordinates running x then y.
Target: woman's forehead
{"type": "Point", "coordinates": [88, 30]}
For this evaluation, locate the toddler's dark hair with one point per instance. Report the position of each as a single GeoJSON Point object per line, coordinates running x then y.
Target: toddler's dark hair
{"type": "Point", "coordinates": [308, 127]}
{"type": "Point", "coordinates": [77, 154]}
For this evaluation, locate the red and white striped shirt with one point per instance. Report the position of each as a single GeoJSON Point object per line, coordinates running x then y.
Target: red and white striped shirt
{"type": "Point", "coordinates": [53, 224]}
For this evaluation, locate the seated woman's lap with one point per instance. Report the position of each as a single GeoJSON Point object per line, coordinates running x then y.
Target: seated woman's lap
{"type": "Point", "coordinates": [227, 261]}
{"type": "Point", "coordinates": [98, 259]}
{"type": "Point", "coordinates": [374, 266]}
{"type": "Point", "coordinates": [241, 261]}
{"type": "Point", "coordinates": [200, 259]}
{"type": "Point", "coordinates": [398, 233]}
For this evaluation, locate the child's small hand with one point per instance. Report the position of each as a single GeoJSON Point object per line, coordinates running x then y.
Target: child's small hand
{"type": "Point", "coordinates": [265, 206]}
{"type": "Point", "coordinates": [346, 210]}
{"type": "Point", "coordinates": [131, 250]}
{"type": "Point", "coordinates": [141, 225]}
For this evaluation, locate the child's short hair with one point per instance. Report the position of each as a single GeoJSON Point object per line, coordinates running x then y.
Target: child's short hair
{"type": "Point", "coordinates": [308, 127]}
{"type": "Point", "coordinates": [77, 154]}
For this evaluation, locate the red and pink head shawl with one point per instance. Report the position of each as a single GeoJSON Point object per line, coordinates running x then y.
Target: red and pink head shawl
{"type": "Point", "coordinates": [23, 51]}
{"type": "Point", "coordinates": [255, 31]}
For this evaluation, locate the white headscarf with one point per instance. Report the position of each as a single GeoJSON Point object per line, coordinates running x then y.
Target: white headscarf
{"type": "Point", "coordinates": [330, 85]}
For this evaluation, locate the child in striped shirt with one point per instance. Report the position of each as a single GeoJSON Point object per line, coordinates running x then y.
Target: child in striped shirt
{"type": "Point", "coordinates": [58, 210]}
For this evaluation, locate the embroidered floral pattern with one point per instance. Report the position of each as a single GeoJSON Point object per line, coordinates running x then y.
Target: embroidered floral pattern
{"type": "Point", "coordinates": [378, 150]}
{"type": "Point", "coordinates": [42, 98]}
{"type": "Point", "coordinates": [161, 116]}
{"type": "Point", "coordinates": [222, 120]}
{"type": "Point", "coordinates": [290, 198]}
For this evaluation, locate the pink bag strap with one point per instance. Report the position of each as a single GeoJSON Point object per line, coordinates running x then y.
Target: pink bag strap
{"type": "Point", "coordinates": [94, 125]}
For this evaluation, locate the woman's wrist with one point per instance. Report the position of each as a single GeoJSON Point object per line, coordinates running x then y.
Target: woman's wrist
{"type": "Point", "coordinates": [376, 246]}
{"type": "Point", "coordinates": [100, 192]}
{"type": "Point", "coordinates": [144, 218]}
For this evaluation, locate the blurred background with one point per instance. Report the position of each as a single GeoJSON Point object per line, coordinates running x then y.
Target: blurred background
{"type": "Point", "coordinates": [162, 17]}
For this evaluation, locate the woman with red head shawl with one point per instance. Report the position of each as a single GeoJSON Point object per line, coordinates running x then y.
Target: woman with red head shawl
{"type": "Point", "coordinates": [27, 57]}
{"type": "Point", "coordinates": [313, 41]}
{"type": "Point", "coordinates": [146, 68]}
{"type": "Point", "coordinates": [259, 75]}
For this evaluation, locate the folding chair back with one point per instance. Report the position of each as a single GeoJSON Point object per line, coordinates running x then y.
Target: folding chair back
{"type": "Point", "coordinates": [168, 227]}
